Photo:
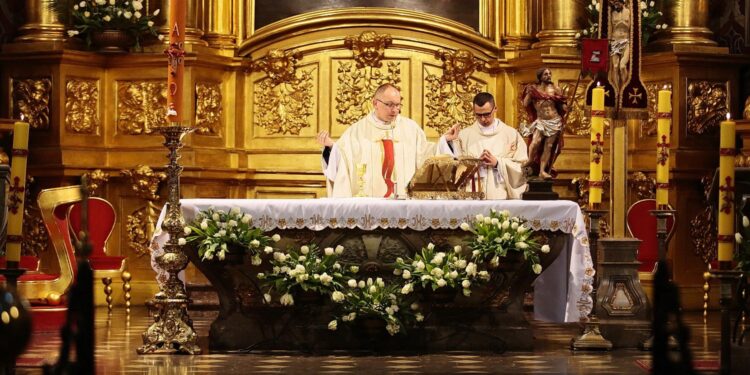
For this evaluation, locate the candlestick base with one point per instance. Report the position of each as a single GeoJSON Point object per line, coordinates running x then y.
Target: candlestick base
{"type": "Point", "coordinates": [591, 338]}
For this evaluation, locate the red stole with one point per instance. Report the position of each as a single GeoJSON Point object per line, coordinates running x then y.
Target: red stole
{"type": "Point", "coordinates": [388, 164]}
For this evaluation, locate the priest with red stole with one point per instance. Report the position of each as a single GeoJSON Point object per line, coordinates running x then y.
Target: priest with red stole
{"type": "Point", "coordinates": [386, 147]}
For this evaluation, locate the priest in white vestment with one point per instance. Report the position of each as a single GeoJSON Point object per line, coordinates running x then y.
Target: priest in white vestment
{"type": "Point", "coordinates": [378, 154]}
{"type": "Point", "coordinates": [501, 148]}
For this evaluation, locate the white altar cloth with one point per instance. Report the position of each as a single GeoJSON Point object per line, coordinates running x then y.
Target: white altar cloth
{"type": "Point", "coordinates": [554, 300]}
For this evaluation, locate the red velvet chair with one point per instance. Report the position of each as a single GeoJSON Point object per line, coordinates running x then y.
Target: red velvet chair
{"type": "Point", "coordinates": [642, 225]}
{"type": "Point", "coordinates": [101, 221]}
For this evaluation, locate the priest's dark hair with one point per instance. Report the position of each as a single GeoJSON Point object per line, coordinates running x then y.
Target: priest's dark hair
{"type": "Point", "coordinates": [482, 98]}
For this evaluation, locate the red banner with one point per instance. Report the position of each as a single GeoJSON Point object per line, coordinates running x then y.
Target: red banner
{"type": "Point", "coordinates": [595, 55]}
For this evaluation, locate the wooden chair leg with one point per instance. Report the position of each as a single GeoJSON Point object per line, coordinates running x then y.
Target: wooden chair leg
{"type": "Point", "coordinates": [108, 292]}
{"type": "Point", "coordinates": [126, 288]}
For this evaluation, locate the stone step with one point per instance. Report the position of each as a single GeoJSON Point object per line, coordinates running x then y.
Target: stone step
{"type": "Point", "coordinates": [203, 295]}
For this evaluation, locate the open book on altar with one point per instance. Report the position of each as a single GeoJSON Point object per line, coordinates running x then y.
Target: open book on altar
{"type": "Point", "coordinates": [443, 177]}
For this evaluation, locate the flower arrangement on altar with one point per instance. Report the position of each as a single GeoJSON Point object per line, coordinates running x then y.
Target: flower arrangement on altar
{"type": "Point", "coordinates": [652, 19]}
{"type": "Point", "coordinates": [437, 269]}
{"type": "Point", "coordinates": [742, 255]}
{"type": "Point", "coordinates": [306, 269]}
{"type": "Point", "coordinates": [217, 233]}
{"type": "Point", "coordinates": [500, 235]}
{"type": "Point", "coordinates": [374, 299]}
{"type": "Point", "coordinates": [88, 17]}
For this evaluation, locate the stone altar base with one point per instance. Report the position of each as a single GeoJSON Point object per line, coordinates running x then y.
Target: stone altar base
{"type": "Point", "coordinates": [491, 319]}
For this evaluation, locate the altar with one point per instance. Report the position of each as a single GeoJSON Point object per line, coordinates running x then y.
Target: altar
{"type": "Point", "coordinates": [374, 233]}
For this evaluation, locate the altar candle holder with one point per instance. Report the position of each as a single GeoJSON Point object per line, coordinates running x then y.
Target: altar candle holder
{"type": "Point", "coordinates": [591, 338]}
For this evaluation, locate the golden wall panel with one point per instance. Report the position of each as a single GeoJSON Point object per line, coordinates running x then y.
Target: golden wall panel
{"type": "Point", "coordinates": [82, 106]}
{"type": "Point", "coordinates": [31, 99]}
{"type": "Point", "coordinates": [208, 108]}
{"type": "Point", "coordinates": [577, 123]}
{"type": "Point", "coordinates": [141, 106]}
{"type": "Point", "coordinates": [707, 105]}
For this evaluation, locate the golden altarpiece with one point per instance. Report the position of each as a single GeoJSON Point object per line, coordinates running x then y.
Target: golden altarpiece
{"type": "Point", "coordinates": [263, 83]}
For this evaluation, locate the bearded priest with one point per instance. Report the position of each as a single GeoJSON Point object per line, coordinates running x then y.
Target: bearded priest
{"type": "Point", "coordinates": [500, 147]}
{"type": "Point", "coordinates": [378, 155]}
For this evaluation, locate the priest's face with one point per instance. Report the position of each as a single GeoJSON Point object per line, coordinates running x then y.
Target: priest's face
{"type": "Point", "coordinates": [485, 114]}
{"type": "Point", "coordinates": [387, 105]}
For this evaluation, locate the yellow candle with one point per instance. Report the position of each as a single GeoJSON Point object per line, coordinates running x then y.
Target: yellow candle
{"type": "Point", "coordinates": [726, 191]}
{"type": "Point", "coordinates": [176, 67]}
{"type": "Point", "coordinates": [597, 146]}
{"type": "Point", "coordinates": [17, 191]}
{"type": "Point", "coordinates": [664, 121]}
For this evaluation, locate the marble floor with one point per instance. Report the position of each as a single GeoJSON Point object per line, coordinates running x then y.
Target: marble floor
{"type": "Point", "coordinates": [118, 336]}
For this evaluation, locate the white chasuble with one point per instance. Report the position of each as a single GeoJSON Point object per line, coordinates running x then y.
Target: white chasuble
{"type": "Point", "coordinates": [506, 181]}
{"type": "Point", "coordinates": [367, 144]}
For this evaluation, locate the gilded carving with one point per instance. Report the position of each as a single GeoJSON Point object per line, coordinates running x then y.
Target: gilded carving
{"type": "Point", "coordinates": [284, 99]}
{"type": "Point", "coordinates": [31, 98]}
{"type": "Point", "coordinates": [703, 226]}
{"type": "Point", "coordinates": [576, 122]}
{"type": "Point", "coordinates": [81, 106]}
{"type": "Point", "coordinates": [581, 187]}
{"type": "Point", "coordinates": [706, 106]}
{"type": "Point", "coordinates": [449, 96]}
{"type": "Point", "coordinates": [521, 114]}
{"type": "Point", "coordinates": [368, 48]}
{"type": "Point", "coordinates": [35, 236]}
{"type": "Point", "coordinates": [141, 106]}
{"type": "Point", "coordinates": [208, 108]}
{"type": "Point", "coordinates": [95, 179]}
{"type": "Point", "coordinates": [746, 112]}
{"type": "Point", "coordinates": [142, 222]}
{"type": "Point", "coordinates": [644, 186]}
{"type": "Point", "coordinates": [357, 86]}
{"type": "Point", "coordinates": [648, 127]}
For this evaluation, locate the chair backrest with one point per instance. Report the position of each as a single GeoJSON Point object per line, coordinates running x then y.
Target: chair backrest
{"type": "Point", "coordinates": [101, 222]}
{"type": "Point", "coordinates": [642, 225]}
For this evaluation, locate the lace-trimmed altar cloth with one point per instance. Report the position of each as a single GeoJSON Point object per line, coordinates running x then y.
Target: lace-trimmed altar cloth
{"type": "Point", "coordinates": [553, 300]}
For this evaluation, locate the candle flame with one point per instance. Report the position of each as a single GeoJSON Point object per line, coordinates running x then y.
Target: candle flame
{"type": "Point", "coordinates": [729, 116]}
{"type": "Point", "coordinates": [665, 87]}
{"type": "Point", "coordinates": [22, 117]}
{"type": "Point", "coordinates": [598, 84]}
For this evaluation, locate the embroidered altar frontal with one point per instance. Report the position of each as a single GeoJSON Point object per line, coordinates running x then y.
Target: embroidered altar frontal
{"type": "Point", "coordinates": [374, 232]}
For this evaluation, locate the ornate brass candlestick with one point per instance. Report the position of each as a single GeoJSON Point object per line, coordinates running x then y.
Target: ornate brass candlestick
{"type": "Point", "coordinates": [172, 330]}
{"type": "Point", "coordinates": [591, 338]}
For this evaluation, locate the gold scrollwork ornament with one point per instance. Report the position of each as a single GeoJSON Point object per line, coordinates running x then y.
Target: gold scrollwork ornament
{"type": "Point", "coordinates": [706, 106]}
{"type": "Point", "coordinates": [31, 98]}
{"type": "Point", "coordinates": [94, 180]}
{"type": "Point", "coordinates": [81, 106]}
{"type": "Point", "coordinates": [141, 106]}
{"type": "Point", "coordinates": [141, 223]}
{"type": "Point", "coordinates": [284, 99]}
{"type": "Point", "coordinates": [644, 186]}
{"type": "Point", "coordinates": [449, 97]}
{"type": "Point", "coordinates": [208, 108]}
{"type": "Point", "coordinates": [368, 48]}
{"type": "Point", "coordinates": [357, 86]}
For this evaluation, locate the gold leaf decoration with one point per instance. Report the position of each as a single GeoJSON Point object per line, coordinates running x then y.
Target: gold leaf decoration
{"type": "Point", "coordinates": [141, 223]}
{"type": "Point", "coordinates": [368, 48]}
{"type": "Point", "coordinates": [521, 114]}
{"type": "Point", "coordinates": [357, 86]}
{"type": "Point", "coordinates": [284, 99]}
{"type": "Point", "coordinates": [31, 98]}
{"type": "Point", "coordinates": [576, 122]}
{"type": "Point", "coordinates": [95, 180]}
{"type": "Point", "coordinates": [35, 236]}
{"type": "Point", "coordinates": [449, 97]}
{"type": "Point", "coordinates": [81, 106]}
{"type": "Point", "coordinates": [208, 108]}
{"type": "Point", "coordinates": [141, 106]}
{"type": "Point", "coordinates": [644, 186]}
{"type": "Point", "coordinates": [706, 106]}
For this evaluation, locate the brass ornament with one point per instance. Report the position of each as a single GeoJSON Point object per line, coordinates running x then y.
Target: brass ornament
{"type": "Point", "coordinates": [746, 112]}
{"type": "Point", "coordinates": [368, 48]}
{"type": "Point", "coordinates": [35, 236]}
{"type": "Point", "coordinates": [94, 180]}
{"type": "Point", "coordinates": [580, 185]}
{"type": "Point", "coordinates": [706, 106]}
{"type": "Point", "coordinates": [284, 99]}
{"type": "Point", "coordinates": [141, 223]}
{"type": "Point", "coordinates": [141, 106]}
{"type": "Point", "coordinates": [703, 226]}
{"type": "Point", "coordinates": [644, 186]}
{"type": "Point", "coordinates": [356, 86]}
{"type": "Point", "coordinates": [522, 115]}
{"type": "Point", "coordinates": [449, 97]}
{"type": "Point", "coordinates": [81, 106]}
{"type": "Point", "coordinates": [648, 127]}
{"type": "Point", "coordinates": [31, 98]}
{"type": "Point", "coordinates": [208, 108]}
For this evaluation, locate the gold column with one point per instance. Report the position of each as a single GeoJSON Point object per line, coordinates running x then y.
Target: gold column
{"type": "Point", "coordinates": [518, 27]}
{"type": "Point", "coordinates": [560, 23]}
{"type": "Point", "coordinates": [687, 25]}
{"type": "Point", "coordinates": [219, 22]}
{"type": "Point", "coordinates": [41, 24]}
{"type": "Point", "coordinates": [193, 32]}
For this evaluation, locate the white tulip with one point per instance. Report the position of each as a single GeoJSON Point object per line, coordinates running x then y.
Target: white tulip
{"type": "Point", "coordinates": [267, 297]}
{"type": "Point", "coordinates": [333, 325]}
{"type": "Point", "coordinates": [247, 217]}
{"type": "Point", "coordinates": [156, 12]}
{"type": "Point", "coordinates": [419, 317]}
{"type": "Point", "coordinates": [268, 249]}
{"type": "Point", "coordinates": [466, 283]}
{"type": "Point", "coordinates": [352, 283]}
{"type": "Point", "coordinates": [137, 14]}
{"type": "Point", "coordinates": [181, 242]}
{"type": "Point", "coordinates": [430, 246]}
{"type": "Point", "coordinates": [745, 221]}
{"type": "Point", "coordinates": [287, 300]}
{"type": "Point", "coordinates": [256, 261]}
{"type": "Point", "coordinates": [87, 14]}
{"type": "Point", "coordinates": [457, 249]}
{"type": "Point", "coordinates": [408, 288]}
{"type": "Point", "coordinates": [738, 238]}
{"type": "Point", "coordinates": [275, 237]}
{"type": "Point", "coordinates": [128, 15]}
{"type": "Point", "coordinates": [406, 275]}
{"type": "Point", "coordinates": [221, 254]}
{"type": "Point", "coordinates": [254, 243]}
{"type": "Point", "coordinates": [537, 268]}
{"type": "Point", "coordinates": [339, 250]}
{"type": "Point", "coordinates": [465, 226]}
{"type": "Point", "coordinates": [545, 249]}
{"type": "Point", "coordinates": [337, 296]}
{"type": "Point", "coordinates": [107, 18]}
{"type": "Point", "coordinates": [82, 4]}
{"type": "Point", "coordinates": [72, 33]}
